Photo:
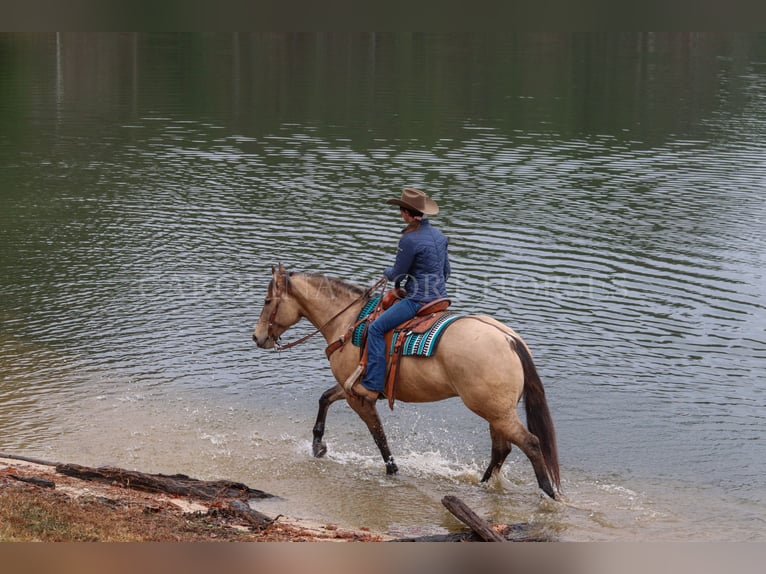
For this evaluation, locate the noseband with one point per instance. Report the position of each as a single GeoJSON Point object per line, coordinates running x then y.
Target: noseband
{"type": "Point", "coordinates": [272, 321]}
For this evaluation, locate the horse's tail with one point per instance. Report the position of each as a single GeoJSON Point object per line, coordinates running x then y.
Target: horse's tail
{"type": "Point", "coordinates": [539, 421]}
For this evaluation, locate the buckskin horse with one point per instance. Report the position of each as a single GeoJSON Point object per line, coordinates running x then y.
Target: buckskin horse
{"type": "Point", "coordinates": [478, 359]}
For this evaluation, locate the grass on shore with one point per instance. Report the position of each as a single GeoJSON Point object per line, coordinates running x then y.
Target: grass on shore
{"type": "Point", "coordinates": [34, 514]}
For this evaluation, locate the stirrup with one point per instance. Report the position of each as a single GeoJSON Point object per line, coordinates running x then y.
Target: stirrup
{"type": "Point", "coordinates": [352, 378]}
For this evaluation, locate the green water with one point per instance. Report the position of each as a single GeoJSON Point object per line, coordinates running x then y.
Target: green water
{"type": "Point", "coordinates": [603, 194]}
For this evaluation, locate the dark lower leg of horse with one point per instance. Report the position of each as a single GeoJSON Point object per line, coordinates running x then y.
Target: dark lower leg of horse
{"type": "Point", "coordinates": [331, 395]}
{"type": "Point", "coordinates": [545, 484]}
{"type": "Point", "coordinates": [501, 448]}
{"type": "Point", "coordinates": [380, 440]}
{"type": "Point", "coordinates": [531, 448]}
{"type": "Point", "coordinates": [369, 414]}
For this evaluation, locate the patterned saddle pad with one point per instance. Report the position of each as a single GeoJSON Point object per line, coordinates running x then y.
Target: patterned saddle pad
{"type": "Point", "coordinates": [422, 344]}
{"type": "Point", "coordinates": [417, 342]}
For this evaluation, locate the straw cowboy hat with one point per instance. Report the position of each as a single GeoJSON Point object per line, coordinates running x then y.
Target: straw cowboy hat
{"type": "Point", "coordinates": [417, 200]}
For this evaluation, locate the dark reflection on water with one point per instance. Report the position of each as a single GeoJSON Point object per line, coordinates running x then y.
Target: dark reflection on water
{"type": "Point", "coordinates": [603, 195]}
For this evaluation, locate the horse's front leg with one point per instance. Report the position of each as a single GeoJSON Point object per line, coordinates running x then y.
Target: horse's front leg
{"type": "Point", "coordinates": [369, 414]}
{"type": "Point", "coordinates": [328, 397]}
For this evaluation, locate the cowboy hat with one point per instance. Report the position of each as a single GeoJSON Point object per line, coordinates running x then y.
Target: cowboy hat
{"type": "Point", "coordinates": [416, 200]}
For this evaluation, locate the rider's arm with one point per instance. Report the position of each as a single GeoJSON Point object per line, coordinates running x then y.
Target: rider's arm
{"type": "Point", "coordinates": [404, 257]}
{"type": "Point", "coordinates": [447, 266]}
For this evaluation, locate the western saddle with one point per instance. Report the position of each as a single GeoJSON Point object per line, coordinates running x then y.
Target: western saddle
{"type": "Point", "coordinates": [420, 323]}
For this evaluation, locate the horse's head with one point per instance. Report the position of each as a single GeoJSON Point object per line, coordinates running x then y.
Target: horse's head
{"type": "Point", "coordinates": [280, 310]}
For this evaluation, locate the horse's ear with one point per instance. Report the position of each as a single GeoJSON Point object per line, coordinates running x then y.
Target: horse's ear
{"type": "Point", "coordinates": [279, 274]}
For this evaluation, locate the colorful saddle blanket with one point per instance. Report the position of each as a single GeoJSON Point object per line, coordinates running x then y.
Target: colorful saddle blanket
{"type": "Point", "coordinates": [358, 335]}
{"type": "Point", "coordinates": [422, 344]}
{"type": "Point", "coordinates": [417, 342]}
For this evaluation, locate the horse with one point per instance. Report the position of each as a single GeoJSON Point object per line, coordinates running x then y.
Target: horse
{"type": "Point", "coordinates": [479, 359]}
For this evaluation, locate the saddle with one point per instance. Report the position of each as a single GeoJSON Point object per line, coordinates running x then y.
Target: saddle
{"type": "Point", "coordinates": [411, 337]}
{"type": "Point", "coordinates": [415, 337]}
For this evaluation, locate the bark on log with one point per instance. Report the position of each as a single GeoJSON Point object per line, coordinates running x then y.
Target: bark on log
{"type": "Point", "coordinates": [521, 532]}
{"type": "Point", "coordinates": [462, 512]}
{"type": "Point", "coordinates": [252, 517]}
{"type": "Point", "coordinates": [33, 480]}
{"type": "Point", "coordinates": [176, 484]}
{"type": "Point", "coordinates": [27, 459]}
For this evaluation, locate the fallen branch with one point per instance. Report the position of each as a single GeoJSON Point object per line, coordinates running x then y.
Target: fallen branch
{"type": "Point", "coordinates": [33, 480]}
{"type": "Point", "coordinates": [462, 512]}
{"type": "Point", "coordinates": [521, 532]}
{"type": "Point", "coordinates": [28, 459]}
{"type": "Point", "coordinates": [254, 518]}
{"type": "Point", "coordinates": [176, 484]}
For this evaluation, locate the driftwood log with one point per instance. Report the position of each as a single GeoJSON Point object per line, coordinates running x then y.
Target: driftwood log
{"type": "Point", "coordinates": [255, 519]}
{"type": "Point", "coordinates": [33, 480]}
{"type": "Point", "coordinates": [478, 525]}
{"type": "Point", "coordinates": [481, 530]}
{"type": "Point", "coordinates": [27, 459]}
{"type": "Point", "coordinates": [520, 532]}
{"type": "Point", "coordinates": [226, 496]}
{"type": "Point", "coordinates": [176, 484]}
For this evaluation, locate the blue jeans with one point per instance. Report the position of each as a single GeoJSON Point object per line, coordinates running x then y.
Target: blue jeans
{"type": "Point", "coordinates": [377, 355]}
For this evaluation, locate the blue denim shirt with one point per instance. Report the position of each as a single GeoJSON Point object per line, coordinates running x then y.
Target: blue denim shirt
{"type": "Point", "coordinates": [423, 262]}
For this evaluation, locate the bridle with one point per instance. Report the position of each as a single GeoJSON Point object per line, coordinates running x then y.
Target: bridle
{"type": "Point", "coordinates": [380, 283]}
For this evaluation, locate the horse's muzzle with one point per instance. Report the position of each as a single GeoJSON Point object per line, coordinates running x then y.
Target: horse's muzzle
{"type": "Point", "coordinates": [267, 343]}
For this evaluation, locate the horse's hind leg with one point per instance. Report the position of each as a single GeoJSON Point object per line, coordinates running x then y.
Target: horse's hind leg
{"type": "Point", "coordinates": [516, 433]}
{"type": "Point", "coordinates": [530, 446]}
{"type": "Point", "coordinates": [501, 447]}
{"type": "Point", "coordinates": [328, 397]}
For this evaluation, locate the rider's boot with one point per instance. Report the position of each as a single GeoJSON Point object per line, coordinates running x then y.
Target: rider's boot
{"type": "Point", "coordinates": [362, 392]}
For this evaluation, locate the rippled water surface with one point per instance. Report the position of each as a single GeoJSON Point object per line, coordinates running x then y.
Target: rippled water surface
{"type": "Point", "coordinates": [603, 195]}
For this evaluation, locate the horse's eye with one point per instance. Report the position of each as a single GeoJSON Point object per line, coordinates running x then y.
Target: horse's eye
{"type": "Point", "coordinates": [267, 301]}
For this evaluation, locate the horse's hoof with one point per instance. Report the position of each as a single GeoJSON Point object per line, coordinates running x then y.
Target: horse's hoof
{"type": "Point", "coordinates": [391, 467]}
{"type": "Point", "coordinates": [552, 494]}
{"type": "Point", "coordinates": [319, 450]}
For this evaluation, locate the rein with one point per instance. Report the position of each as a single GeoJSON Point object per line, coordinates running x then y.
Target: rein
{"type": "Point", "coordinates": [380, 283]}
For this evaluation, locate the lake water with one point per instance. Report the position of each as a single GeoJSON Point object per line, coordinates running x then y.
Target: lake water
{"type": "Point", "coordinates": [603, 194]}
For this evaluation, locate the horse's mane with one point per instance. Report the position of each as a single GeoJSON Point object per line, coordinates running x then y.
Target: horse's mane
{"type": "Point", "coordinates": [331, 284]}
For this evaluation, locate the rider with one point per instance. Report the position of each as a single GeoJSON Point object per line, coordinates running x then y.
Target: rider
{"type": "Point", "coordinates": [422, 266]}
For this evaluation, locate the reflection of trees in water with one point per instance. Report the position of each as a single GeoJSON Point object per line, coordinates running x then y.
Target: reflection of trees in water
{"type": "Point", "coordinates": [401, 85]}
